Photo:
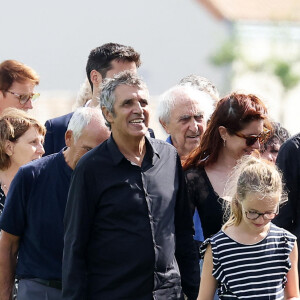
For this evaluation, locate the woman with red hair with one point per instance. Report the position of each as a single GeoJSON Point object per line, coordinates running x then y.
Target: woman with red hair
{"type": "Point", "coordinates": [237, 127]}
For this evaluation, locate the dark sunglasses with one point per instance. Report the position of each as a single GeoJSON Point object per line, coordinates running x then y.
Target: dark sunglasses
{"type": "Point", "coordinates": [251, 139]}
{"type": "Point", "coordinates": [25, 97]}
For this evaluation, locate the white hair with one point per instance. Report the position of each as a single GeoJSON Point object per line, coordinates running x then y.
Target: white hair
{"type": "Point", "coordinates": [82, 117]}
{"type": "Point", "coordinates": [167, 101]}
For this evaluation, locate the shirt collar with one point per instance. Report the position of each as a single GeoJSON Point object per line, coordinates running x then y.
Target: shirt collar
{"type": "Point", "coordinates": [117, 156]}
{"type": "Point", "coordinates": [169, 140]}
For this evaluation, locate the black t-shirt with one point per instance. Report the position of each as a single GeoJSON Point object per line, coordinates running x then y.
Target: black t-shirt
{"type": "Point", "coordinates": [34, 211]}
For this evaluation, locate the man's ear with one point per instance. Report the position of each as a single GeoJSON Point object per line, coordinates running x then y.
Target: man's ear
{"type": "Point", "coordinates": [69, 137]}
{"type": "Point", "coordinates": [1, 95]}
{"type": "Point", "coordinates": [9, 148]}
{"type": "Point", "coordinates": [223, 132]}
{"type": "Point", "coordinates": [164, 125]}
{"type": "Point", "coordinates": [96, 77]}
{"type": "Point", "coordinates": [107, 115]}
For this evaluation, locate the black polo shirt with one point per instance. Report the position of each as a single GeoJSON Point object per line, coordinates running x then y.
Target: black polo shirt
{"type": "Point", "coordinates": [124, 226]}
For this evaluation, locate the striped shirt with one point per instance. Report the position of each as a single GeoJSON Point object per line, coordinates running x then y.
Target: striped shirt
{"type": "Point", "coordinates": [255, 271]}
{"type": "Point", "coordinates": [2, 200]}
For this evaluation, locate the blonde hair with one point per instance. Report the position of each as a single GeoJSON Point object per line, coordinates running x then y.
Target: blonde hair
{"type": "Point", "coordinates": [251, 175]}
{"type": "Point", "coordinates": [84, 95]}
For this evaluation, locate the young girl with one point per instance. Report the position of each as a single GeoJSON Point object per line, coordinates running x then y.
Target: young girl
{"type": "Point", "coordinates": [251, 258]}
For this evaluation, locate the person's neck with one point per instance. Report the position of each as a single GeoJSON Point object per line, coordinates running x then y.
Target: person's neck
{"type": "Point", "coordinates": [95, 98]}
{"type": "Point", "coordinates": [133, 148]}
{"type": "Point", "coordinates": [6, 178]}
{"type": "Point", "coordinates": [244, 235]}
{"type": "Point", "coordinates": [225, 161]}
{"type": "Point", "coordinates": [68, 160]}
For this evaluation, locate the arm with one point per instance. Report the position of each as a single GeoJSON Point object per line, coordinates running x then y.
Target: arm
{"type": "Point", "coordinates": [292, 285]}
{"type": "Point", "coordinates": [208, 284]}
{"type": "Point", "coordinates": [9, 245]}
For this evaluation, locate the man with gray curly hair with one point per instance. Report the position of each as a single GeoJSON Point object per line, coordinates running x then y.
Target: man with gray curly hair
{"type": "Point", "coordinates": [127, 224]}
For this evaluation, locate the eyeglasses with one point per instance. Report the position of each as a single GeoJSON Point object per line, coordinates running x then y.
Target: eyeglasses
{"type": "Point", "coordinates": [251, 139]}
{"type": "Point", "coordinates": [251, 215]}
{"type": "Point", "coordinates": [23, 99]}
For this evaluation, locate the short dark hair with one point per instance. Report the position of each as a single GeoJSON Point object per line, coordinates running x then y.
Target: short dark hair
{"type": "Point", "coordinates": [101, 57]}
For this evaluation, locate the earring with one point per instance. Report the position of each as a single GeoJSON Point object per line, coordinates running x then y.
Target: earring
{"type": "Point", "coordinates": [224, 141]}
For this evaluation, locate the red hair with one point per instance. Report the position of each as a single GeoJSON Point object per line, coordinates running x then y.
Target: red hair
{"type": "Point", "coordinates": [12, 70]}
{"type": "Point", "coordinates": [234, 112]}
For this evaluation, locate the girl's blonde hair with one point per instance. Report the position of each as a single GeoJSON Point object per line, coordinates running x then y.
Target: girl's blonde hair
{"type": "Point", "coordinates": [251, 175]}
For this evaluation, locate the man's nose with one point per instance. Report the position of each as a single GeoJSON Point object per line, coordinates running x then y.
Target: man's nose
{"type": "Point", "coordinates": [193, 125]}
{"type": "Point", "coordinates": [138, 108]}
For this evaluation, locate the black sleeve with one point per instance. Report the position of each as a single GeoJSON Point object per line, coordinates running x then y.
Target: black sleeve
{"type": "Point", "coordinates": [78, 218]}
{"type": "Point", "coordinates": [186, 251]}
{"type": "Point", "coordinates": [288, 161]}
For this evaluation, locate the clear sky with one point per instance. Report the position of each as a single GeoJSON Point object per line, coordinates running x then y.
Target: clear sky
{"type": "Point", "coordinates": [174, 37]}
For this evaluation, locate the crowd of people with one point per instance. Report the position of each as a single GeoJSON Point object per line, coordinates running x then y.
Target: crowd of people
{"type": "Point", "coordinates": [93, 206]}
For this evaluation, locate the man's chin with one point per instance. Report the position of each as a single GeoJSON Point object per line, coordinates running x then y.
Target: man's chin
{"type": "Point", "coordinates": [193, 143]}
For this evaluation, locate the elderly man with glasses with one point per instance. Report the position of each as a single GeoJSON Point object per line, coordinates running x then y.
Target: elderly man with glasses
{"type": "Point", "coordinates": [17, 83]}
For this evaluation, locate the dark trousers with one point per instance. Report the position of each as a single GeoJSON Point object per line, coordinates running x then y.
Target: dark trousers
{"type": "Point", "coordinates": [30, 290]}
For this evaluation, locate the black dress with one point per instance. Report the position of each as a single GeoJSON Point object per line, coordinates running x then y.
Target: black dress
{"type": "Point", "coordinates": [206, 200]}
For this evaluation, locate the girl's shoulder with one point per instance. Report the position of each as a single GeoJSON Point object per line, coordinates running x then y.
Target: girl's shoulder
{"type": "Point", "coordinates": [279, 232]}
{"type": "Point", "coordinates": [216, 240]}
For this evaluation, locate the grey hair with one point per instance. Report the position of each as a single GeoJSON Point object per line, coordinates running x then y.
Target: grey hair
{"type": "Point", "coordinates": [202, 84]}
{"type": "Point", "coordinates": [167, 101]}
{"type": "Point", "coordinates": [109, 85]}
{"type": "Point", "coordinates": [81, 118]}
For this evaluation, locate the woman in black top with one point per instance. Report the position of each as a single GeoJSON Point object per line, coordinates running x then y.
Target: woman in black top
{"type": "Point", "coordinates": [236, 128]}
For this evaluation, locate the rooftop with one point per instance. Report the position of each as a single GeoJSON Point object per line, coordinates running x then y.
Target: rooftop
{"type": "Point", "coordinates": [254, 10]}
